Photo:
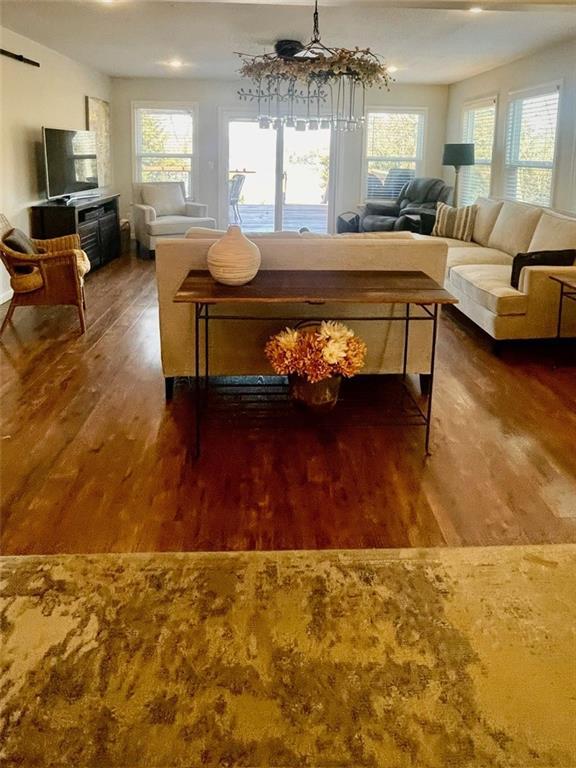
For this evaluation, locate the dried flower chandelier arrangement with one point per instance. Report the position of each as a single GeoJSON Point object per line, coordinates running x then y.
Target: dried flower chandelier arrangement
{"type": "Point", "coordinates": [312, 86]}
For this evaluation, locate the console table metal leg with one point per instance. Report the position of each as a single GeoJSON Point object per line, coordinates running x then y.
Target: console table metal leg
{"type": "Point", "coordinates": [206, 348]}
{"type": "Point", "coordinates": [406, 335]}
{"type": "Point", "coordinates": [430, 394]}
{"type": "Point", "coordinates": [559, 320]}
{"type": "Point", "coordinates": [197, 393]}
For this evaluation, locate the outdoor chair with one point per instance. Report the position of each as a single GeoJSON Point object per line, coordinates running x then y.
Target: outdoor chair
{"type": "Point", "coordinates": [235, 189]}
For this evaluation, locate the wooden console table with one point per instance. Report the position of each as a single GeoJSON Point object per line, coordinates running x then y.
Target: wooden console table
{"type": "Point", "coordinates": [276, 287]}
{"type": "Point", "coordinates": [567, 291]}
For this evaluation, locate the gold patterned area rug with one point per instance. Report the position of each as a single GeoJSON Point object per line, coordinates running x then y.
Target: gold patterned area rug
{"type": "Point", "coordinates": [444, 658]}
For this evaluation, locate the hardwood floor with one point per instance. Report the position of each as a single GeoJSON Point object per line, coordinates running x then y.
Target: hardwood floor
{"type": "Point", "coordinates": [93, 460]}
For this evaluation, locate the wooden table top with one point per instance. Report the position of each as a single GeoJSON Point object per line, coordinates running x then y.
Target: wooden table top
{"type": "Point", "coordinates": [569, 282]}
{"type": "Point", "coordinates": [317, 287]}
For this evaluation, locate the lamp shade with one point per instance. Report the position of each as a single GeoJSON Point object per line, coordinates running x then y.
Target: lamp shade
{"type": "Point", "coordinates": [458, 154]}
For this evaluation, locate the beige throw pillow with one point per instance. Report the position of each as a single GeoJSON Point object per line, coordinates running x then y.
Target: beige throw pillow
{"type": "Point", "coordinates": [514, 227]}
{"type": "Point", "coordinates": [454, 222]}
{"type": "Point", "coordinates": [554, 232]}
{"type": "Point", "coordinates": [487, 211]}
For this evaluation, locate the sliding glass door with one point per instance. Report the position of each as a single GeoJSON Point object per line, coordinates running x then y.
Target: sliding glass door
{"type": "Point", "coordinates": [277, 178]}
{"type": "Point", "coordinates": [251, 176]}
{"type": "Point", "coordinates": [305, 179]}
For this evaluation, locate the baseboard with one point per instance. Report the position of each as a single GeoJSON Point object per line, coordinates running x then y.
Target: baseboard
{"type": "Point", "coordinates": [5, 296]}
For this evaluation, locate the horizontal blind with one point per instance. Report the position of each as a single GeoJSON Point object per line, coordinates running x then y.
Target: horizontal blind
{"type": "Point", "coordinates": [164, 144]}
{"type": "Point", "coordinates": [165, 131]}
{"type": "Point", "coordinates": [394, 142]}
{"type": "Point", "coordinates": [478, 129]}
{"type": "Point", "coordinates": [531, 147]}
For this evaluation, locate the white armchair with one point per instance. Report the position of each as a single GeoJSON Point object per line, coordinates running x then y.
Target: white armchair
{"type": "Point", "coordinates": [160, 209]}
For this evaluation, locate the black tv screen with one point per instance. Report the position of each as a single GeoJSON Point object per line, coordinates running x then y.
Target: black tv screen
{"type": "Point", "coordinates": [70, 160]}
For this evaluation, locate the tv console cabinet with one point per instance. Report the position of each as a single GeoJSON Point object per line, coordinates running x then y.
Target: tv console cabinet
{"type": "Point", "coordinates": [95, 219]}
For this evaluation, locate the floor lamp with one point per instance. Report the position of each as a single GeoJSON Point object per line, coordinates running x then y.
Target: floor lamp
{"type": "Point", "coordinates": [458, 155]}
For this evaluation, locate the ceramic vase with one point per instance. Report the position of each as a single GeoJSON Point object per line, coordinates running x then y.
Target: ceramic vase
{"type": "Point", "coordinates": [233, 260]}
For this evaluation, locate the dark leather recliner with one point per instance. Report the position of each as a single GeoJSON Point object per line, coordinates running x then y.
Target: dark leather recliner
{"type": "Point", "coordinates": [417, 196]}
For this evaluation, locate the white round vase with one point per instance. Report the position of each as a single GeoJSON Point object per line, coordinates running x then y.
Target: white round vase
{"type": "Point", "coordinates": [233, 260]}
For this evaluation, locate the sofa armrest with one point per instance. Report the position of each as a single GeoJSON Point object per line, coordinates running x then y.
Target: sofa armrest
{"type": "Point", "coordinates": [66, 243]}
{"type": "Point", "coordinates": [418, 208]}
{"type": "Point", "coordinates": [199, 210]}
{"type": "Point", "coordinates": [534, 278]}
{"type": "Point", "coordinates": [381, 209]}
{"type": "Point", "coordinates": [544, 299]}
{"type": "Point", "coordinates": [143, 213]}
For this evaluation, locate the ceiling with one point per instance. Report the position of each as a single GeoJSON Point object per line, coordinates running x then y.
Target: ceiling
{"type": "Point", "coordinates": [438, 41]}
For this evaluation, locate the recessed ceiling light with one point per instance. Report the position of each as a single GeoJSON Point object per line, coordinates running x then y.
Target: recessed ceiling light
{"type": "Point", "coordinates": [392, 69]}
{"type": "Point", "coordinates": [476, 9]}
{"type": "Point", "coordinates": [175, 63]}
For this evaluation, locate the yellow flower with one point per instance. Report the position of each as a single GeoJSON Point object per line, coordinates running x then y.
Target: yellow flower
{"type": "Point", "coordinates": [288, 339]}
{"type": "Point", "coordinates": [335, 331]}
{"type": "Point", "coordinates": [335, 350]}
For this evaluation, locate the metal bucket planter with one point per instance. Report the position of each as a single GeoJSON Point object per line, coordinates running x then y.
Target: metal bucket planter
{"type": "Point", "coordinates": [318, 395]}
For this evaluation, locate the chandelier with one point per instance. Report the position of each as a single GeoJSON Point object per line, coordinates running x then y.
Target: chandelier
{"type": "Point", "coordinates": [312, 86]}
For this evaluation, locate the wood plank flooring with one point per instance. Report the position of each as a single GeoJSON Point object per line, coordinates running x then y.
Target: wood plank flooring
{"type": "Point", "coordinates": [93, 460]}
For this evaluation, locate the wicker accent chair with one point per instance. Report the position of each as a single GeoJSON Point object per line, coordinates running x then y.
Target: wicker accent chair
{"type": "Point", "coordinates": [53, 276]}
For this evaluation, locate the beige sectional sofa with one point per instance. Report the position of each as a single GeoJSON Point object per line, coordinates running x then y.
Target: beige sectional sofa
{"type": "Point", "coordinates": [238, 347]}
{"type": "Point", "coordinates": [478, 273]}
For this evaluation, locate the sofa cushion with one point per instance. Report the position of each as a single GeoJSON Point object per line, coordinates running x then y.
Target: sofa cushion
{"type": "Point", "coordinates": [373, 223]}
{"type": "Point", "coordinates": [204, 232]}
{"type": "Point", "coordinates": [283, 234]}
{"type": "Point", "coordinates": [476, 255]}
{"type": "Point", "coordinates": [166, 199]}
{"type": "Point", "coordinates": [400, 235]}
{"type": "Point", "coordinates": [554, 232]}
{"type": "Point", "coordinates": [514, 227]}
{"type": "Point", "coordinates": [455, 222]}
{"type": "Point", "coordinates": [486, 214]}
{"type": "Point", "coordinates": [19, 241]}
{"type": "Point", "coordinates": [451, 242]}
{"type": "Point", "coordinates": [176, 225]}
{"type": "Point", "coordinates": [565, 258]}
{"type": "Point", "coordinates": [208, 233]}
{"type": "Point", "coordinates": [489, 286]}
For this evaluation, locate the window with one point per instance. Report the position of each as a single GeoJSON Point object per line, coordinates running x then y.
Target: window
{"type": "Point", "coordinates": [394, 144]}
{"type": "Point", "coordinates": [531, 145]}
{"type": "Point", "coordinates": [478, 129]}
{"type": "Point", "coordinates": [164, 143]}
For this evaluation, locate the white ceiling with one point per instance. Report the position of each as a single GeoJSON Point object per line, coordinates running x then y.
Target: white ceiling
{"type": "Point", "coordinates": [131, 38]}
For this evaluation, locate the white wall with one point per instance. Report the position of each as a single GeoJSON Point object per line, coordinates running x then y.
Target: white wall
{"type": "Point", "coordinates": [213, 97]}
{"type": "Point", "coordinates": [548, 65]}
{"type": "Point", "coordinates": [54, 95]}
{"type": "Point", "coordinates": [30, 97]}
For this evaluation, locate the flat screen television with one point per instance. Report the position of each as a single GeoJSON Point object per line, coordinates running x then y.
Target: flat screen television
{"type": "Point", "coordinates": [70, 161]}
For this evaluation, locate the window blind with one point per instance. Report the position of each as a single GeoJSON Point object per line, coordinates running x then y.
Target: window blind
{"type": "Point", "coordinates": [478, 128]}
{"type": "Point", "coordinates": [531, 146]}
{"type": "Point", "coordinates": [394, 143]}
{"type": "Point", "coordinates": [164, 144]}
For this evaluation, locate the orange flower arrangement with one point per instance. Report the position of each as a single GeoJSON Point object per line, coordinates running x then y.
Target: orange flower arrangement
{"type": "Point", "coordinates": [317, 353]}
